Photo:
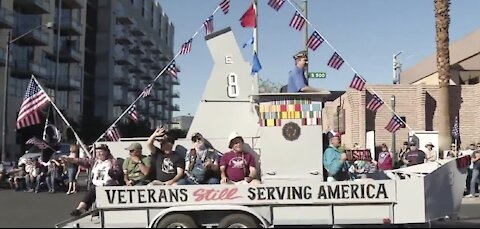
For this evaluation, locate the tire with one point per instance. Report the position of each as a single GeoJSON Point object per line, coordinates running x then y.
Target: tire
{"type": "Point", "coordinates": [177, 221]}
{"type": "Point", "coordinates": [238, 221]}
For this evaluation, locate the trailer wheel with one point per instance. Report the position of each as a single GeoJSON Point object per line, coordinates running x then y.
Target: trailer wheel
{"type": "Point", "coordinates": [238, 221]}
{"type": "Point", "coordinates": [177, 221]}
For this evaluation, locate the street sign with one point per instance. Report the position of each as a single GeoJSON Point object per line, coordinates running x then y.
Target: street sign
{"type": "Point", "coordinates": [317, 75]}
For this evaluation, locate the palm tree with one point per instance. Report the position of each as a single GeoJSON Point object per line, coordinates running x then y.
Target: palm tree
{"type": "Point", "coordinates": [442, 23]}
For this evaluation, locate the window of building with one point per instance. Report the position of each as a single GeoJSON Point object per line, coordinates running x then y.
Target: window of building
{"type": "Point", "coordinates": [117, 92]}
{"type": "Point", "coordinates": [62, 100]}
{"type": "Point", "coordinates": [117, 111]}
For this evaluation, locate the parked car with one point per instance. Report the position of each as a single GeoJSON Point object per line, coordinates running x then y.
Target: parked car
{"type": "Point", "coordinates": [34, 153]}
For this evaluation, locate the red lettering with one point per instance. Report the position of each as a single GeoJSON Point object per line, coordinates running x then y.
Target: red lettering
{"type": "Point", "coordinates": [213, 194]}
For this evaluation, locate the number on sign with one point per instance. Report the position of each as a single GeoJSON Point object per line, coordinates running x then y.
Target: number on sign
{"type": "Point", "coordinates": [233, 90]}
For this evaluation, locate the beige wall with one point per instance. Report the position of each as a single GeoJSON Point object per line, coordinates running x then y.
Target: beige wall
{"type": "Point", "coordinates": [416, 102]}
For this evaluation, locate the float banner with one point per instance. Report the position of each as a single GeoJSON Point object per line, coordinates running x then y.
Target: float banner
{"type": "Point", "coordinates": [369, 191]}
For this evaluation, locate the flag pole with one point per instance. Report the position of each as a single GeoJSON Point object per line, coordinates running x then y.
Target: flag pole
{"type": "Point", "coordinates": [255, 43]}
{"type": "Point", "coordinates": [64, 119]}
{"type": "Point", "coordinates": [44, 135]}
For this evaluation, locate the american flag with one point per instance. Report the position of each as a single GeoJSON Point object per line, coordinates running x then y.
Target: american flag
{"type": "Point", "coordinates": [186, 47]}
{"type": "Point", "coordinates": [276, 4]}
{"type": "Point", "coordinates": [298, 21]}
{"type": "Point", "coordinates": [35, 98]}
{"type": "Point", "coordinates": [335, 61]}
{"type": "Point", "coordinates": [133, 113]}
{"type": "Point", "coordinates": [225, 6]}
{"type": "Point", "coordinates": [147, 90]}
{"type": "Point", "coordinates": [357, 82]}
{"type": "Point", "coordinates": [172, 69]}
{"type": "Point", "coordinates": [314, 41]}
{"type": "Point", "coordinates": [113, 134]}
{"type": "Point", "coordinates": [375, 103]}
{"type": "Point", "coordinates": [208, 24]}
{"type": "Point", "coordinates": [394, 124]}
{"type": "Point", "coordinates": [39, 143]}
{"type": "Point", "coordinates": [456, 129]}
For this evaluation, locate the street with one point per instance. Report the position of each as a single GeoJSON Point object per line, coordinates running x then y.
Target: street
{"type": "Point", "coordinates": [44, 210]}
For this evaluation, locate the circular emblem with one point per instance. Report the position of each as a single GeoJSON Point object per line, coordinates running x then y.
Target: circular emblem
{"type": "Point", "coordinates": [291, 131]}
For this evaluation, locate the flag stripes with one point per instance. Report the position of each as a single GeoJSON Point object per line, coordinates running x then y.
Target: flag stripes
{"type": "Point", "coordinates": [298, 21]}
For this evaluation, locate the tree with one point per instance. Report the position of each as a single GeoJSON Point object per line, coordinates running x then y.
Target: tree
{"type": "Point", "coordinates": [267, 86]}
{"type": "Point", "coordinates": [442, 23]}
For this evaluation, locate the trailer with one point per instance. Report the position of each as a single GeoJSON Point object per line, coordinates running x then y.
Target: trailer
{"type": "Point", "coordinates": [284, 132]}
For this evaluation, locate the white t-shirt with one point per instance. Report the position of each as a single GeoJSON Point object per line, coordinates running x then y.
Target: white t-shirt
{"type": "Point", "coordinates": [100, 173]}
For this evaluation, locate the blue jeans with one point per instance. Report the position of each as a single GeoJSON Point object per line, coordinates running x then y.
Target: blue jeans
{"type": "Point", "coordinates": [473, 181]}
{"type": "Point", "coordinates": [188, 181]}
{"type": "Point", "coordinates": [50, 179]}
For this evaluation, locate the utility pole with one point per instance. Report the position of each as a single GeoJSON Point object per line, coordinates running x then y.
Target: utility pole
{"type": "Point", "coordinates": [57, 56]}
{"type": "Point", "coordinates": [396, 68]}
{"type": "Point", "coordinates": [5, 100]}
{"type": "Point", "coordinates": [305, 13]}
{"type": "Point", "coordinates": [394, 139]}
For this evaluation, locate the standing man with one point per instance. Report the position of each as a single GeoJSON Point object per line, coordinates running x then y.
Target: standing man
{"type": "Point", "coordinates": [431, 153]}
{"type": "Point", "coordinates": [415, 156]}
{"type": "Point", "coordinates": [475, 173]}
{"type": "Point", "coordinates": [334, 161]}
{"type": "Point", "coordinates": [297, 82]}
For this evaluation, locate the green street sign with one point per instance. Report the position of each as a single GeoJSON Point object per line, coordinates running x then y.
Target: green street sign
{"type": "Point", "coordinates": [317, 75]}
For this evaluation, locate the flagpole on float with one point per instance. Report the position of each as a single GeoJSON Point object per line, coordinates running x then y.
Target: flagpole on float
{"type": "Point", "coordinates": [64, 119]}
{"type": "Point", "coordinates": [255, 36]}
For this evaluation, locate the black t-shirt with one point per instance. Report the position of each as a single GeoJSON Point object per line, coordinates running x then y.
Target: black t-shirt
{"type": "Point", "coordinates": [415, 157]}
{"type": "Point", "coordinates": [164, 166]}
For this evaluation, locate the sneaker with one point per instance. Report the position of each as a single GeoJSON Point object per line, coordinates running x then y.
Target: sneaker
{"type": "Point", "coordinates": [469, 196]}
{"type": "Point", "coordinates": [76, 213]}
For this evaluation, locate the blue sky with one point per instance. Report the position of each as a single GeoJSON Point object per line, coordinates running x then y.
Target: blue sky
{"type": "Point", "coordinates": [366, 33]}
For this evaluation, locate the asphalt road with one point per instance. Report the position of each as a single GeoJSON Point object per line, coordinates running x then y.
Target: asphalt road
{"type": "Point", "coordinates": [44, 210]}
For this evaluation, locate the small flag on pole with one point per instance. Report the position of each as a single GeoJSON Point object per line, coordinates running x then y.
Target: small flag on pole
{"type": "Point", "coordinates": [39, 143]}
{"type": "Point", "coordinates": [276, 4]}
{"type": "Point", "coordinates": [249, 18]}
{"type": "Point", "coordinates": [335, 61]}
{"type": "Point", "coordinates": [147, 90]}
{"type": "Point", "coordinates": [113, 134]}
{"type": "Point", "coordinates": [133, 113]}
{"type": "Point", "coordinates": [298, 21]}
{"type": "Point", "coordinates": [225, 6]}
{"type": "Point", "coordinates": [314, 41]}
{"type": "Point", "coordinates": [172, 69]}
{"type": "Point", "coordinates": [375, 103]}
{"type": "Point", "coordinates": [186, 47]}
{"type": "Point", "coordinates": [35, 98]}
{"type": "Point", "coordinates": [249, 42]}
{"type": "Point", "coordinates": [208, 24]}
{"type": "Point", "coordinates": [357, 83]}
{"type": "Point", "coordinates": [394, 124]}
{"type": "Point", "coordinates": [456, 129]}
{"type": "Point", "coordinates": [256, 66]}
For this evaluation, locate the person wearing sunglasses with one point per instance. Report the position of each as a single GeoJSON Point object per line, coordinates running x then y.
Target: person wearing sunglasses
{"type": "Point", "coordinates": [136, 166]}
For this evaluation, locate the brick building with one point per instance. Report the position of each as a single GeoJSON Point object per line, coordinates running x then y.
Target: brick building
{"type": "Point", "coordinates": [415, 99]}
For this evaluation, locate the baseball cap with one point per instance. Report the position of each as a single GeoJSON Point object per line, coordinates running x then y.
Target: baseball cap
{"type": "Point", "coordinates": [134, 146]}
{"type": "Point", "coordinates": [232, 136]}
{"type": "Point", "coordinates": [300, 54]}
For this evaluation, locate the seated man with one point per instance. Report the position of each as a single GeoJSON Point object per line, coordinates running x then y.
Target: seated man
{"type": "Point", "coordinates": [296, 77]}
{"type": "Point", "coordinates": [237, 166]}
{"type": "Point", "coordinates": [167, 167]}
{"type": "Point", "coordinates": [136, 166]}
{"type": "Point", "coordinates": [201, 163]}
